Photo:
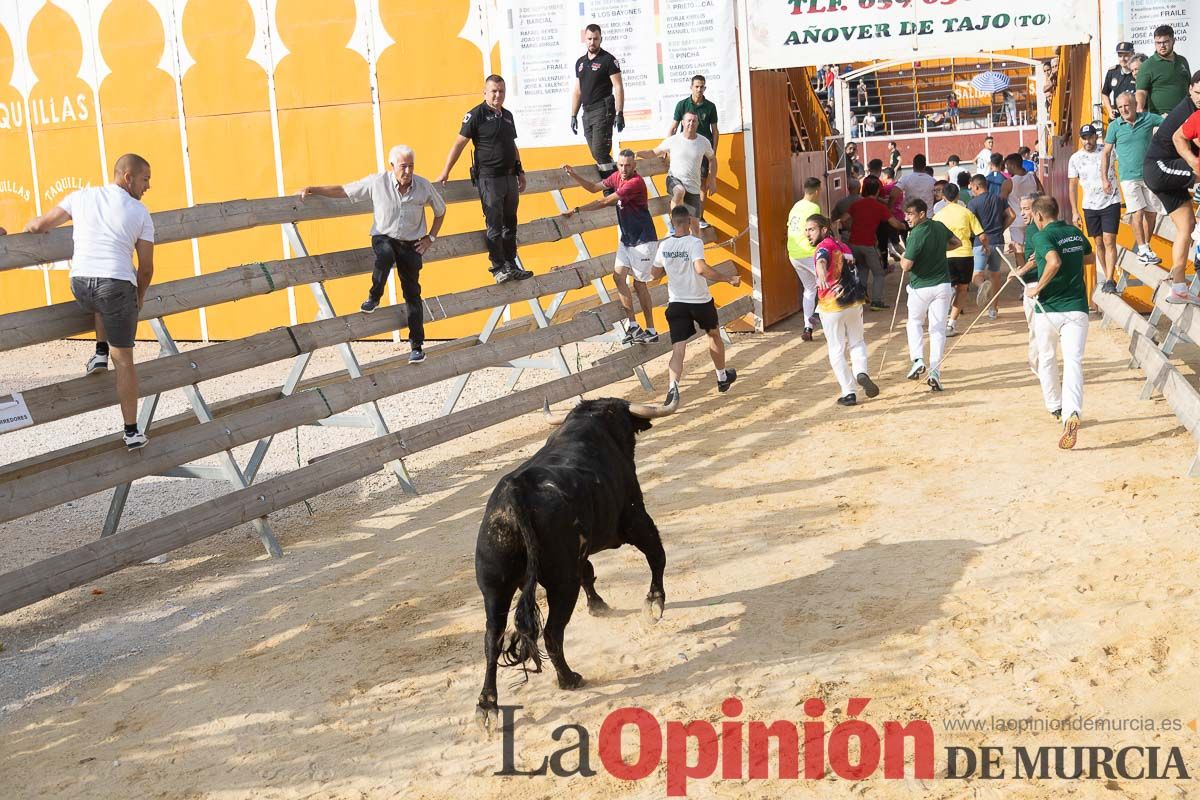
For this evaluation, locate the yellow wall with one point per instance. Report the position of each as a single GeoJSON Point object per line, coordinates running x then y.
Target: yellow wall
{"type": "Point", "coordinates": [324, 116]}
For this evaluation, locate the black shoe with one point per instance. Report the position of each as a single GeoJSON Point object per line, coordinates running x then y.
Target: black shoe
{"type": "Point", "coordinates": [416, 356]}
{"type": "Point", "coordinates": [672, 396]}
{"type": "Point", "coordinates": [502, 275]}
{"type": "Point", "coordinates": [631, 334]}
{"type": "Point", "coordinates": [848, 400]}
{"type": "Point", "coordinates": [807, 335]}
{"type": "Point", "coordinates": [517, 272]}
{"type": "Point", "coordinates": [369, 306]}
{"type": "Point", "coordinates": [730, 377]}
{"type": "Point", "coordinates": [1109, 287]}
{"type": "Point", "coordinates": [1056, 413]}
{"type": "Point", "coordinates": [868, 385]}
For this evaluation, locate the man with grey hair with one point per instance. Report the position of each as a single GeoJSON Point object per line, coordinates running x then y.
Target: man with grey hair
{"type": "Point", "coordinates": [398, 233]}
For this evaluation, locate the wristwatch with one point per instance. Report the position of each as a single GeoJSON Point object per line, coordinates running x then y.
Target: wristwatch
{"type": "Point", "coordinates": [431, 238]}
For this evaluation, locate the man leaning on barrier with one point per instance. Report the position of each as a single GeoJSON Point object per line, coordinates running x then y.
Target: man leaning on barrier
{"type": "Point", "coordinates": [111, 223]}
{"type": "Point", "coordinates": [398, 233]}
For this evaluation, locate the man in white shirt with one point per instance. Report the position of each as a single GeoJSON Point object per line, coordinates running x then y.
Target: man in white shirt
{"type": "Point", "coordinates": [918, 183]}
{"type": "Point", "coordinates": [869, 122]}
{"type": "Point", "coordinates": [398, 233]}
{"type": "Point", "coordinates": [953, 170]}
{"type": "Point", "coordinates": [110, 224]}
{"type": "Point", "coordinates": [689, 302]}
{"type": "Point", "coordinates": [984, 158]}
{"type": "Point", "coordinates": [685, 152]}
{"type": "Point", "coordinates": [1101, 206]}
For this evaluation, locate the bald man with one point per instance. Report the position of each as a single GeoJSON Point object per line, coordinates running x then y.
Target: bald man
{"type": "Point", "coordinates": [111, 224]}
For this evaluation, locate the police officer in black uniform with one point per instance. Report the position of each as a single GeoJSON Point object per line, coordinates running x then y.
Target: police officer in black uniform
{"type": "Point", "coordinates": [1118, 80]}
{"type": "Point", "coordinates": [496, 171]}
{"type": "Point", "coordinates": [599, 89]}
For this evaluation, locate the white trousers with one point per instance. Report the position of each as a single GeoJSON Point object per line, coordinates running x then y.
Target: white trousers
{"type": "Point", "coordinates": [1029, 304]}
{"type": "Point", "coordinates": [845, 329]}
{"type": "Point", "coordinates": [1068, 330]}
{"type": "Point", "coordinates": [932, 302]}
{"type": "Point", "coordinates": [806, 270]}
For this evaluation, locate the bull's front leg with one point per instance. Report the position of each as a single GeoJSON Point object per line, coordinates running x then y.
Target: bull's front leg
{"type": "Point", "coordinates": [643, 534]}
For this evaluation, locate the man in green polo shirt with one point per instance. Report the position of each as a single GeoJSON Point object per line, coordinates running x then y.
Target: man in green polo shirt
{"type": "Point", "coordinates": [1162, 81]}
{"type": "Point", "coordinates": [801, 251]}
{"type": "Point", "coordinates": [1129, 134]}
{"type": "Point", "coordinates": [929, 290]}
{"type": "Point", "coordinates": [706, 117]}
{"type": "Point", "coordinates": [1060, 316]}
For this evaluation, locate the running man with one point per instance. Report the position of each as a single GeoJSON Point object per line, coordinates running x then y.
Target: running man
{"type": "Point", "coordinates": [929, 289]}
{"type": "Point", "coordinates": [689, 302]}
{"type": "Point", "coordinates": [995, 216]}
{"type": "Point", "coordinates": [841, 309]}
{"type": "Point", "coordinates": [636, 243]}
{"type": "Point", "coordinates": [801, 251]}
{"type": "Point", "coordinates": [864, 217]}
{"type": "Point", "coordinates": [685, 153]}
{"type": "Point", "coordinates": [1061, 315]}
{"type": "Point", "coordinates": [1129, 136]}
{"type": "Point", "coordinates": [1027, 274]}
{"type": "Point", "coordinates": [1101, 202]}
{"type": "Point", "coordinates": [961, 261]}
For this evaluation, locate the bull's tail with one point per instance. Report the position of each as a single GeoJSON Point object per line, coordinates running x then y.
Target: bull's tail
{"type": "Point", "coordinates": [522, 648]}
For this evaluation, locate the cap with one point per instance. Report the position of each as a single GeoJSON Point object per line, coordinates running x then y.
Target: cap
{"type": "Point", "coordinates": [1125, 47]}
{"type": "Point", "coordinates": [1088, 130]}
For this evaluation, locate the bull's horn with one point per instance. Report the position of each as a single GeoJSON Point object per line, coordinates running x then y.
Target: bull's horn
{"type": "Point", "coordinates": [651, 412]}
{"type": "Point", "coordinates": [553, 417]}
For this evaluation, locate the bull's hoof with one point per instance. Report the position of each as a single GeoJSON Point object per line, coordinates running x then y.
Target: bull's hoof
{"type": "Point", "coordinates": [572, 680]}
{"type": "Point", "coordinates": [652, 610]}
{"type": "Point", "coordinates": [598, 608]}
{"type": "Point", "coordinates": [486, 718]}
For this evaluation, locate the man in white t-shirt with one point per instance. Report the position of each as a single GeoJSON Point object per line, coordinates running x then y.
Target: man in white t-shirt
{"type": "Point", "coordinates": [918, 183]}
{"type": "Point", "coordinates": [984, 157]}
{"type": "Point", "coordinates": [689, 303]}
{"type": "Point", "coordinates": [685, 152]}
{"type": "Point", "coordinates": [1101, 206]}
{"type": "Point", "coordinates": [110, 225]}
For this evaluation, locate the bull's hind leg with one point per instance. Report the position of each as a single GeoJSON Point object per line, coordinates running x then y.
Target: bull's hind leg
{"type": "Point", "coordinates": [561, 599]}
{"type": "Point", "coordinates": [596, 605]}
{"type": "Point", "coordinates": [643, 534]}
{"type": "Point", "coordinates": [496, 600]}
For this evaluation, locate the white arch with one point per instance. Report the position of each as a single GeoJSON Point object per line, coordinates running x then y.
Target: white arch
{"type": "Point", "coordinates": [842, 83]}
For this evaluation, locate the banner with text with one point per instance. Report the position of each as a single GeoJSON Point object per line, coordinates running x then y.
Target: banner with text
{"type": "Point", "coordinates": [794, 33]}
{"type": "Point", "coordinates": [659, 44]}
{"type": "Point", "coordinates": [1143, 16]}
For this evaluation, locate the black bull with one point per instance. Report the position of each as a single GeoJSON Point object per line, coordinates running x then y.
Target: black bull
{"type": "Point", "coordinates": [576, 496]}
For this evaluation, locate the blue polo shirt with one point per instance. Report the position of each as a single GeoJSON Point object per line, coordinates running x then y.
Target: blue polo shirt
{"type": "Point", "coordinates": [1130, 141]}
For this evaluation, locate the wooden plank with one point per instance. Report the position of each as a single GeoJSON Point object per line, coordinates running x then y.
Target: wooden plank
{"type": "Point", "coordinates": [96, 391]}
{"type": "Point", "coordinates": [59, 573]}
{"type": "Point", "coordinates": [83, 477]}
{"type": "Point", "coordinates": [1121, 314]}
{"type": "Point", "coordinates": [23, 328]}
{"type": "Point", "coordinates": [28, 249]}
{"type": "Point", "coordinates": [1184, 316]}
{"type": "Point", "coordinates": [1180, 395]}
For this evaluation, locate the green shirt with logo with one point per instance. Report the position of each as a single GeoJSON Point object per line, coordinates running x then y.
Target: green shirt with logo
{"type": "Point", "coordinates": [1066, 291]}
{"type": "Point", "coordinates": [926, 248]}
{"type": "Point", "coordinates": [1130, 141]}
{"type": "Point", "coordinates": [705, 111]}
{"type": "Point", "coordinates": [1032, 235]}
{"type": "Point", "coordinates": [1165, 82]}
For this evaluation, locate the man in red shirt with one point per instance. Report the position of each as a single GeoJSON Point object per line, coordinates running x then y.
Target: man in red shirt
{"type": "Point", "coordinates": [864, 216]}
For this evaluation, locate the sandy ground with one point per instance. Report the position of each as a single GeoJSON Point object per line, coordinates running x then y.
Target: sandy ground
{"type": "Point", "coordinates": [935, 553]}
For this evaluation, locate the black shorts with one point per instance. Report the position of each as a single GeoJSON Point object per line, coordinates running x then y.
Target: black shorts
{"type": "Point", "coordinates": [1170, 180]}
{"type": "Point", "coordinates": [684, 318]}
{"type": "Point", "coordinates": [1105, 220]}
{"type": "Point", "coordinates": [961, 269]}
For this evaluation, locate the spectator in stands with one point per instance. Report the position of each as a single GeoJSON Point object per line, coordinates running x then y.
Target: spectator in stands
{"type": "Point", "coordinates": [110, 225]}
{"type": "Point", "coordinates": [1101, 205]}
{"type": "Point", "coordinates": [965, 226]}
{"type": "Point", "coordinates": [1129, 136]}
{"type": "Point", "coordinates": [864, 217]}
{"type": "Point", "coordinates": [952, 108]}
{"type": "Point", "coordinates": [953, 170]}
{"type": "Point", "coordinates": [398, 234]}
{"type": "Point", "coordinates": [1009, 102]}
{"type": "Point", "coordinates": [1171, 166]}
{"type": "Point", "coordinates": [984, 157]}
{"type": "Point", "coordinates": [995, 175]}
{"type": "Point", "coordinates": [918, 183]}
{"type": "Point", "coordinates": [1118, 80]}
{"type": "Point", "coordinates": [894, 157]}
{"type": "Point", "coordinates": [1163, 80]}
{"type": "Point", "coordinates": [995, 216]}
{"type": "Point", "coordinates": [862, 92]}
{"type": "Point", "coordinates": [854, 131]}
{"type": "Point", "coordinates": [869, 123]}
{"type": "Point", "coordinates": [936, 120]}
{"type": "Point", "coordinates": [1050, 73]}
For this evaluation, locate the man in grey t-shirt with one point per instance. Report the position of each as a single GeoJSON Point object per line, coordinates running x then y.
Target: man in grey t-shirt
{"type": "Point", "coordinates": [398, 233]}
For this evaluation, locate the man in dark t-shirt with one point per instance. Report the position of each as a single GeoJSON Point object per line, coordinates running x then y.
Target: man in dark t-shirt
{"type": "Point", "coordinates": [600, 91]}
{"type": "Point", "coordinates": [1118, 80]}
{"type": "Point", "coordinates": [1170, 176]}
{"type": "Point", "coordinates": [497, 172]}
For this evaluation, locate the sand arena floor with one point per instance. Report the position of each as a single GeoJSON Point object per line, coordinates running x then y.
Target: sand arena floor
{"type": "Point", "coordinates": [936, 553]}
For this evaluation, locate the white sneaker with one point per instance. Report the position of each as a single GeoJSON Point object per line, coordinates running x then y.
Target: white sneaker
{"type": "Point", "coordinates": [992, 312]}
{"type": "Point", "coordinates": [136, 441]}
{"type": "Point", "coordinates": [1148, 256]}
{"type": "Point", "coordinates": [951, 329]}
{"type": "Point", "coordinates": [917, 369]}
{"type": "Point", "coordinates": [703, 224]}
{"type": "Point", "coordinates": [97, 363]}
{"type": "Point", "coordinates": [1180, 298]}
